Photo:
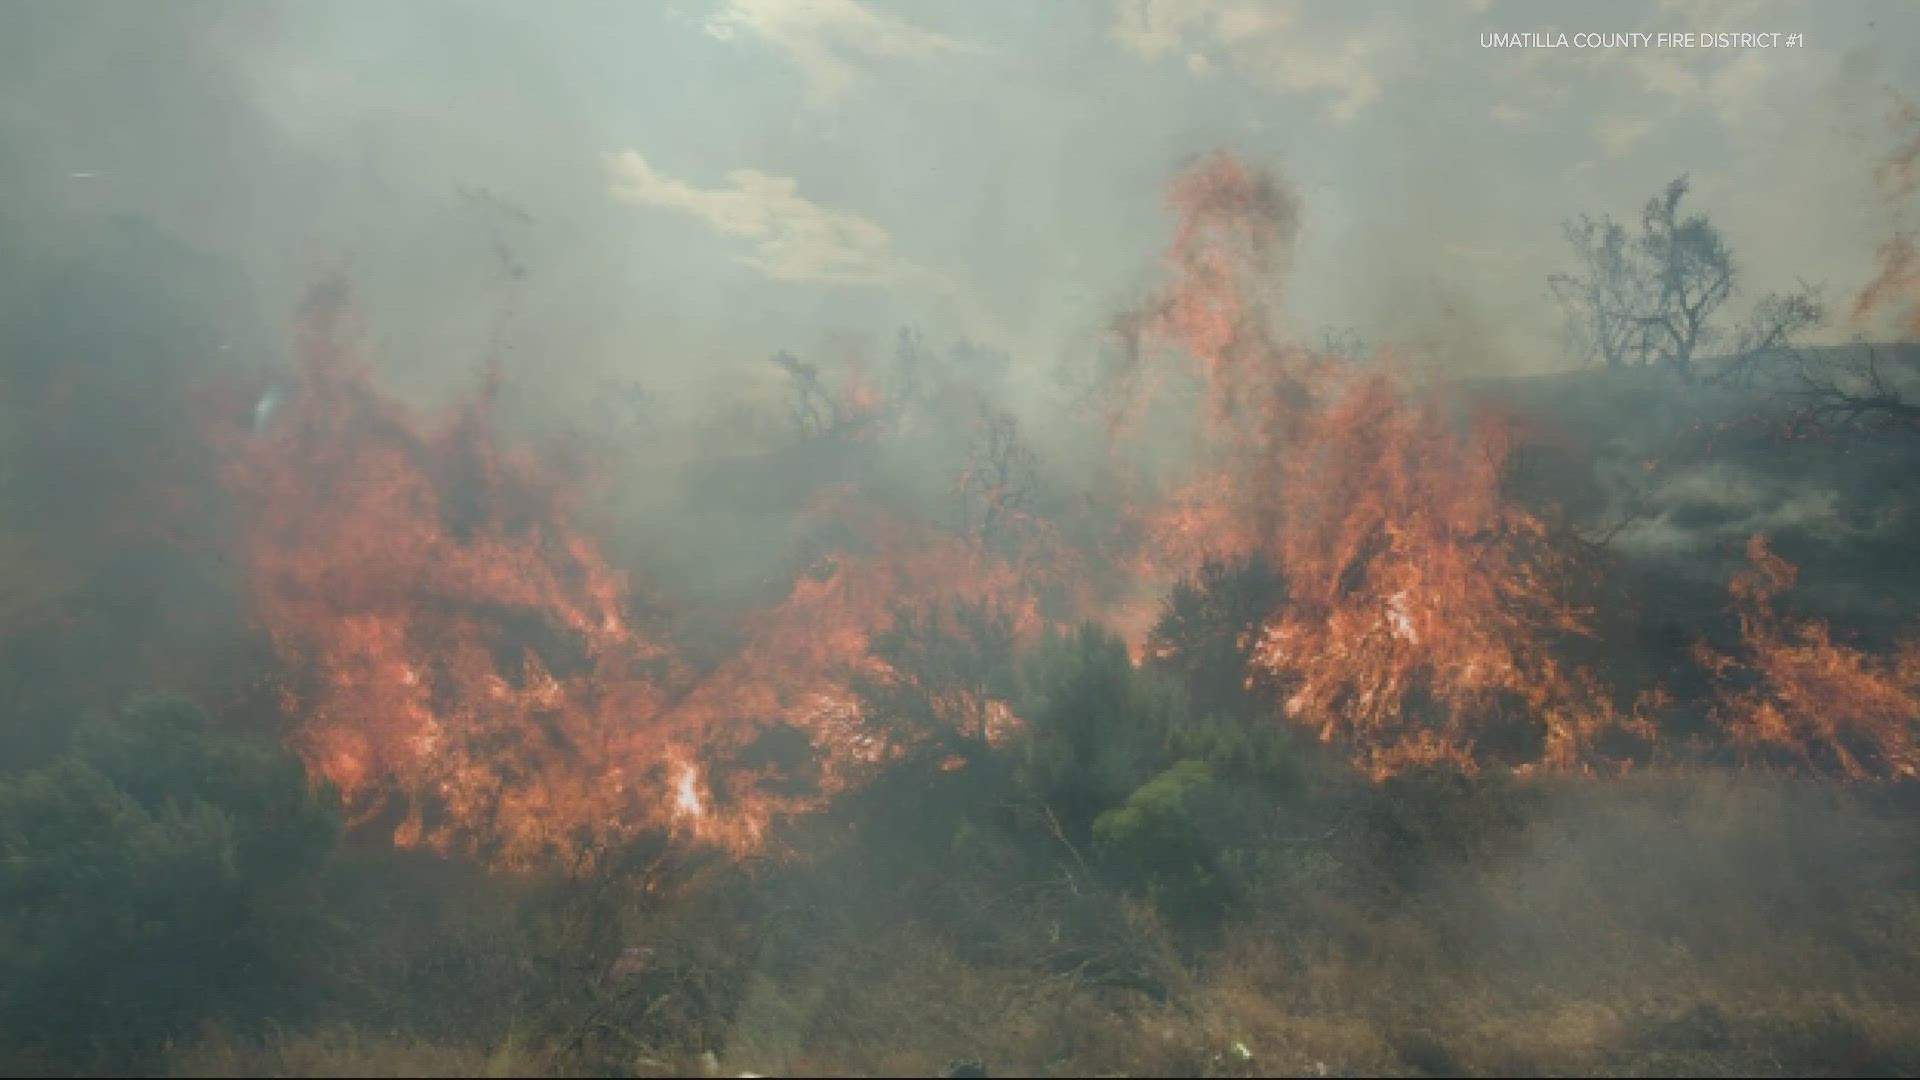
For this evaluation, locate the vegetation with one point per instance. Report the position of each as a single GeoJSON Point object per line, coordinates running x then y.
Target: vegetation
{"type": "Point", "coordinates": [1141, 872]}
{"type": "Point", "coordinates": [1656, 297]}
{"type": "Point", "coordinates": [153, 877]}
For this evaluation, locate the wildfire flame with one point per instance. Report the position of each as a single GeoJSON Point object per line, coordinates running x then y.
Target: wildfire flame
{"type": "Point", "coordinates": [467, 669]}
{"type": "Point", "coordinates": [1423, 605]}
{"type": "Point", "coordinates": [1897, 284]}
{"type": "Point", "coordinates": [1798, 697]}
{"type": "Point", "coordinates": [465, 665]}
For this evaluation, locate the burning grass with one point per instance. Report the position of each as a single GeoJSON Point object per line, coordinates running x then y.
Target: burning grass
{"type": "Point", "coordinates": [1795, 697]}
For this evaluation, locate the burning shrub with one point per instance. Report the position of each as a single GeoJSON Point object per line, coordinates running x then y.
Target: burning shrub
{"type": "Point", "coordinates": [466, 666]}
{"type": "Point", "coordinates": [463, 661]}
{"type": "Point", "coordinates": [1423, 606]}
{"type": "Point", "coordinates": [1209, 631]}
{"type": "Point", "coordinates": [947, 680]}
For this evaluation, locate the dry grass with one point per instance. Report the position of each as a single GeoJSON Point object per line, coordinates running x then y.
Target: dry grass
{"type": "Point", "coordinates": [344, 1052]}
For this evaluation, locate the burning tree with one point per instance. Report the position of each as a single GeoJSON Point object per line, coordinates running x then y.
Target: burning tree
{"type": "Point", "coordinates": [996, 488]}
{"type": "Point", "coordinates": [853, 410]}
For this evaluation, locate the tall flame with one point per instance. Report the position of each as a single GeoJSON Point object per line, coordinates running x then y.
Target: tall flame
{"type": "Point", "coordinates": [1423, 605]}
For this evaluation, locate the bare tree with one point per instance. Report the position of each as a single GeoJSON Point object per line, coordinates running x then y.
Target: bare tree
{"type": "Point", "coordinates": [1854, 396]}
{"type": "Point", "coordinates": [1692, 275]}
{"type": "Point", "coordinates": [913, 379]}
{"type": "Point", "coordinates": [1000, 476]}
{"type": "Point", "coordinates": [809, 406]}
{"type": "Point", "coordinates": [1604, 299]}
{"type": "Point", "coordinates": [1770, 334]}
{"type": "Point", "coordinates": [625, 408]}
{"type": "Point", "coordinates": [1655, 297]}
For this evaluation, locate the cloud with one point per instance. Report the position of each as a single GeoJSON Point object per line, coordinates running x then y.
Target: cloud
{"type": "Point", "coordinates": [1263, 40]}
{"type": "Point", "coordinates": [1509, 115]}
{"type": "Point", "coordinates": [1618, 135]}
{"type": "Point", "coordinates": [800, 242]}
{"type": "Point", "coordinates": [826, 38]}
{"type": "Point", "coordinates": [1734, 87]}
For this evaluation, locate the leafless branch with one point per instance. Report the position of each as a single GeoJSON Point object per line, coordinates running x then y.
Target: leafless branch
{"type": "Point", "coordinates": [1829, 399]}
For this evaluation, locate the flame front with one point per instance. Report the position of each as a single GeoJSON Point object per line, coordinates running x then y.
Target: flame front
{"type": "Point", "coordinates": [466, 668]}
{"type": "Point", "coordinates": [463, 664]}
{"type": "Point", "coordinates": [1423, 606]}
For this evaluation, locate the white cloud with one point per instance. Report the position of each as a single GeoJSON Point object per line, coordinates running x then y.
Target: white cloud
{"type": "Point", "coordinates": [1618, 135]}
{"type": "Point", "coordinates": [1509, 115]}
{"type": "Point", "coordinates": [799, 241]}
{"type": "Point", "coordinates": [1263, 40]}
{"type": "Point", "coordinates": [825, 39]}
{"type": "Point", "coordinates": [1735, 87]}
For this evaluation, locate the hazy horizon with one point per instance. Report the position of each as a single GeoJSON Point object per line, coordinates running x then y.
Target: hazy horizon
{"type": "Point", "coordinates": [687, 188]}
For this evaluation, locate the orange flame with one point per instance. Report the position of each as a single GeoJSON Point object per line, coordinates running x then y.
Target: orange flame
{"type": "Point", "coordinates": [465, 666]}
{"type": "Point", "coordinates": [1798, 697]}
{"type": "Point", "coordinates": [1897, 179]}
{"type": "Point", "coordinates": [1423, 604]}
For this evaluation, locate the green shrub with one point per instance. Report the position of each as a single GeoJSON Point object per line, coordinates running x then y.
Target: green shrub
{"type": "Point", "coordinates": [1097, 727]}
{"type": "Point", "coordinates": [1156, 845]}
{"type": "Point", "coordinates": [148, 879]}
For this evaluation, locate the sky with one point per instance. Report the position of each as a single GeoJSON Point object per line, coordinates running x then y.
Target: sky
{"type": "Point", "coordinates": [681, 188]}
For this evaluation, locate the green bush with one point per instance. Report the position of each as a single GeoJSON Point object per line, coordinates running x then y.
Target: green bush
{"type": "Point", "coordinates": [1156, 844]}
{"type": "Point", "coordinates": [1097, 727]}
{"type": "Point", "coordinates": [149, 879]}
